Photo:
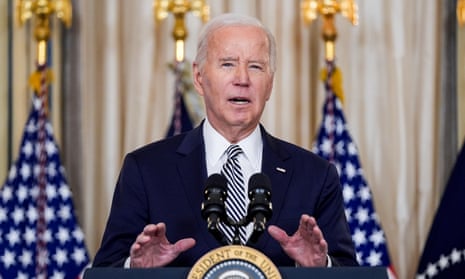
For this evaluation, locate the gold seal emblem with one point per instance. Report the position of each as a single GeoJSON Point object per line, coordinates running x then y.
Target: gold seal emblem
{"type": "Point", "coordinates": [234, 261]}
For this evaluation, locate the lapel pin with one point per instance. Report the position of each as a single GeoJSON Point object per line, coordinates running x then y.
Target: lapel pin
{"type": "Point", "coordinates": [281, 170]}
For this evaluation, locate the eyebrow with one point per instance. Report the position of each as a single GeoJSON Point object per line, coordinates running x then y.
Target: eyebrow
{"type": "Point", "coordinates": [229, 58]}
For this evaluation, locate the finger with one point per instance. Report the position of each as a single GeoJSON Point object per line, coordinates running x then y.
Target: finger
{"type": "Point", "coordinates": [142, 238]}
{"type": "Point", "coordinates": [155, 230]}
{"type": "Point", "coordinates": [134, 247]}
{"type": "Point", "coordinates": [305, 229]}
{"type": "Point", "coordinates": [149, 228]}
{"type": "Point", "coordinates": [317, 234]}
{"type": "Point", "coordinates": [161, 229]}
{"type": "Point", "coordinates": [184, 244]}
{"type": "Point", "coordinates": [307, 222]}
{"type": "Point", "coordinates": [278, 234]}
{"type": "Point", "coordinates": [317, 237]}
{"type": "Point", "coordinates": [148, 233]}
{"type": "Point", "coordinates": [323, 246]}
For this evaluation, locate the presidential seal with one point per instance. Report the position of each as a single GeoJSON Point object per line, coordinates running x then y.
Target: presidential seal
{"type": "Point", "coordinates": [234, 261]}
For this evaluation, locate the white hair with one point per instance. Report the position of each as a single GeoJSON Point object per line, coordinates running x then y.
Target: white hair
{"type": "Point", "coordinates": [230, 19]}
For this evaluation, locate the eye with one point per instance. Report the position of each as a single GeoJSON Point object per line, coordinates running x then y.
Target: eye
{"type": "Point", "coordinates": [227, 64]}
{"type": "Point", "coordinates": [256, 67]}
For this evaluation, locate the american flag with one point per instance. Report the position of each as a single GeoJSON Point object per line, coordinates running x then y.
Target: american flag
{"type": "Point", "coordinates": [444, 252]}
{"type": "Point", "coordinates": [180, 121]}
{"type": "Point", "coordinates": [335, 144]}
{"type": "Point", "coordinates": [39, 233]}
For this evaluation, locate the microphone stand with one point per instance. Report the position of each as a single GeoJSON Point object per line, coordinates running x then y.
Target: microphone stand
{"type": "Point", "coordinates": [243, 222]}
{"type": "Point", "coordinates": [236, 239]}
{"type": "Point", "coordinates": [258, 230]}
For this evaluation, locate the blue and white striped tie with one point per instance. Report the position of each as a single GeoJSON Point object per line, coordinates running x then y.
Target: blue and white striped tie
{"type": "Point", "coordinates": [236, 199]}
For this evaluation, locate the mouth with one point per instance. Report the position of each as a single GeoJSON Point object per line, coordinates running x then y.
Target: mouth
{"type": "Point", "coordinates": [239, 101]}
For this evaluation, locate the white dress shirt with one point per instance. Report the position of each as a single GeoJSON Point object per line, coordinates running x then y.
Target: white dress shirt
{"type": "Point", "coordinates": [250, 160]}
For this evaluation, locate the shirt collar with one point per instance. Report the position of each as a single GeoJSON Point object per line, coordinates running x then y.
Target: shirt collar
{"type": "Point", "coordinates": [216, 144]}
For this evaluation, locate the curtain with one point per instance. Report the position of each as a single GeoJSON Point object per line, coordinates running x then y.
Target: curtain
{"type": "Point", "coordinates": [461, 84]}
{"type": "Point", "coordinates": [389, 64]}
{"type": "Point", "coordinates": [4, 113]}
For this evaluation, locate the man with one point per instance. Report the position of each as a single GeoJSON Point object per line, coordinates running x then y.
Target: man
{"type": "Point", "coordinates": [155, 219]}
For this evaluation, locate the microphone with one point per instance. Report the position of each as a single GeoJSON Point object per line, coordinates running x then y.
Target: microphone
{"type": "Point", "coordinates": [260, 209]}
{"type": "Point", "coordinates": [213, 209]}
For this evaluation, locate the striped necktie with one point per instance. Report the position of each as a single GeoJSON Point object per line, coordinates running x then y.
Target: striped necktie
{"type": "Point", "coordinates": [236, 197]}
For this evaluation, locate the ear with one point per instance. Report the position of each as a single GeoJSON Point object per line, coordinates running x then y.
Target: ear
{"type": "Point", "coordinates": [197, 78]}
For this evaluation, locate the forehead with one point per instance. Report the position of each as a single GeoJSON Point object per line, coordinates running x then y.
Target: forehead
{"type": "Point", "coordinates": [239, 38]}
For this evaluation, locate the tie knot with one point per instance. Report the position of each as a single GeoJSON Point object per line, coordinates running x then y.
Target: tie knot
{"type": "Point", "coordinates": [233, 151]}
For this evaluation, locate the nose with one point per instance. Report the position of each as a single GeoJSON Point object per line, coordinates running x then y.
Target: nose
{"type": "Point", "coordinates": [242, 76]}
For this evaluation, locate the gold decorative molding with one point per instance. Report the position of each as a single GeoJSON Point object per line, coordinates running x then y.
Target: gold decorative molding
{"type": "Point", "coordinates": [179, 8]}
{"type": "Point", "coordinates": [461, 12]}
{"type": "Point", "coordinates": [42, 10]}
{"type": "Point", "coordinates": [310, 9]}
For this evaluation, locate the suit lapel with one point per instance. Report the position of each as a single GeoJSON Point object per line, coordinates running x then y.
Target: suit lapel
{"type": "Point", "coordinates": [276, 164]}
{"type": "Point", "coordinates": [193, 172]}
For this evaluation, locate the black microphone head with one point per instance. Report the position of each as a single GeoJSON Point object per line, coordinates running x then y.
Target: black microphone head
{"type": "Point", "coordinates": [259, 182]}
{"type": "Point", "coordinates": [260, 196]}
{"type": "Point", "coordinates": [215, 182]}
{"type": "Point", "coordinates": [260, 209]}
{"type": "Point", "coordinates": [213, 209]}
{"type": "Point", "coordinates": [215, 195]}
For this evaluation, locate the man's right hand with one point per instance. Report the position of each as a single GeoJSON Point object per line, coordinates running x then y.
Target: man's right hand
{"type": "Point", "coordinates": [152, 248]}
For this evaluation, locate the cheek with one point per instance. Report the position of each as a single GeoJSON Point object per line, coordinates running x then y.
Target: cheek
{"type": "Point", "coordinates": [268, 95]}
{"type": "Point", "coordinates": [211, 100]}
{"type": "Point", "coordinates": [267, 87]}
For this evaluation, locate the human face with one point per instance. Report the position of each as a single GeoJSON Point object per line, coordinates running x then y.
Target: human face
{"type": "Point", "coordinates": [235, 80]}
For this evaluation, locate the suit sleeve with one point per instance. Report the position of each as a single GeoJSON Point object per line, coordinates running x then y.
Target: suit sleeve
{"type": "Point", "coordinates": [128, 216]}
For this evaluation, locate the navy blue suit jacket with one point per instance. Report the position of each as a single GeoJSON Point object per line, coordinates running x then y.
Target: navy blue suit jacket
{"type": "Point", "coordinates": [164, 182]}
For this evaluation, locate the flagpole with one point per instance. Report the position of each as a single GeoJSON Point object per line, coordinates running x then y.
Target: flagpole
{"type": "Point", "coordinates": [40, 81]}
{"type": "Point", "coordinates": [179, 9]}
{"type": "Point", "coordinates": [41, 10]}
{"type": "Point", "coordinates": [331, 75]}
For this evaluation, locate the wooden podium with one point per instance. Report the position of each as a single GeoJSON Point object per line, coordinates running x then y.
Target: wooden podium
{"type": "Point", "coordinates": [286, 273]}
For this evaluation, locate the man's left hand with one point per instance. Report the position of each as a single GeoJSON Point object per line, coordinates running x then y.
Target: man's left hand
{"type": "Point", "coordinates": [307, 246]}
